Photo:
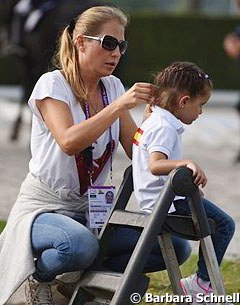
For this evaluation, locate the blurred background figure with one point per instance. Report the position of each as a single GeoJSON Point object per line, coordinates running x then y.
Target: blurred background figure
{"type": "Point", "coordinates": [25, 17]}
{"type": "Point", "coordinates": [31, 29]}
{"type": "Point", "coordinates": [231, 45]}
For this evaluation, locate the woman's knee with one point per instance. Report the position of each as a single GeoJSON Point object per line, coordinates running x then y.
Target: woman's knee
{"type": "Point", "coordinates": [75, 245]}
{"type": "Point", "coordinates": [84, 249]}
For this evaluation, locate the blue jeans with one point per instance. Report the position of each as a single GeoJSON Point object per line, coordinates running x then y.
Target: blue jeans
{"type": "Point", "coordinates": [224, 230]}
{"type": "Point", "coordinates": [123, 244]}
{"type": "Point", "coordinates": [61, 244]}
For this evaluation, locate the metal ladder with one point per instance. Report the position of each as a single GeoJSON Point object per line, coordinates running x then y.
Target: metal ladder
{"type": "Point", "coordinates": [99, 284]}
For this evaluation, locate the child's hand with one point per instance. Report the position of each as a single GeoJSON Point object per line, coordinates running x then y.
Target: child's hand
{"type": "Point", "coordinates": [198, 174]}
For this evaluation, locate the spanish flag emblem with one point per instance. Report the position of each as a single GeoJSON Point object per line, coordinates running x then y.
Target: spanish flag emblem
{"type": "Point", "coordinates": [137, 136]}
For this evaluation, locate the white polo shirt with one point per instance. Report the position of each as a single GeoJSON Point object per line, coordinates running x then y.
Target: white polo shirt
{"type": "Point", "coordinates": [161, 132]}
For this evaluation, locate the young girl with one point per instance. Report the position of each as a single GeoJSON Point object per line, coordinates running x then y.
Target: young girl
{"type": "Point", "coordinates": [183, 90]}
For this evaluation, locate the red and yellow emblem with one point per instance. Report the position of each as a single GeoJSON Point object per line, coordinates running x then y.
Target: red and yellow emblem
{"type": "Point", "coordinates": [137, 136]}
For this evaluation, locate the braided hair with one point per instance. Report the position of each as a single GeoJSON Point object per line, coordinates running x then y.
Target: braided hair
{"type": "Point", "coordinates": [179, 78]}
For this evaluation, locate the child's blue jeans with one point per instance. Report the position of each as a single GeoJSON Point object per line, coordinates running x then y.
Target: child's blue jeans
{"type": "Point", "coordinates": [224, 231]}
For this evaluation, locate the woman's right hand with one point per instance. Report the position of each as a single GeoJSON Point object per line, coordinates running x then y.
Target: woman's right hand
{"type": "Point", "coordinates": [139, 93]}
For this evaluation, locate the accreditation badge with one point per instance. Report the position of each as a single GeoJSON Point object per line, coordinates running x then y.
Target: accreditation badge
{"type": "Point", "coordinates": [100, 200]}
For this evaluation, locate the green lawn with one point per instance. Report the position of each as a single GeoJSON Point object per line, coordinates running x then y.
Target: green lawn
{"type": "Point", "coordinates": [2, 224]}
{"type": "Point", "coordinates": [160, 285]}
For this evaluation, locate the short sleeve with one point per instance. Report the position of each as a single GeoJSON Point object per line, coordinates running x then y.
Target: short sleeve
{"type": "Point", "coordinates": [52, 85]}
{"type": "Point", "coordinates": [161, 139]}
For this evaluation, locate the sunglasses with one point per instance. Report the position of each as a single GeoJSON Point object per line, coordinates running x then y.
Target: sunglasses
{"type": "Point", "coordinates": [110, 43]}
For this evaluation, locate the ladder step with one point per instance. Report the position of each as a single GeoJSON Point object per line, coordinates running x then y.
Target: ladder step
{"type": "Point", "coordinates": [179, 225]}
{"type": "Point", "coordinates": [128, 218]}
{"type": "Point", "coordinates": [106, 280]}
{"type": "Point", "coordinates": [183, 227]}
{"type": "Point", "coordinates": [103, 284]}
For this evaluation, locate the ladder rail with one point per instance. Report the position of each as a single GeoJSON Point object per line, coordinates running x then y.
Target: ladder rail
{"type": "Point", "coordinates": [199, 217]}
{"type": "Point", "coordinates": [180, 182]}
{"type": "Point", "coordinates": [145, 243]}
{"type": "Point", "coordinates": [170, 259]}
{"type": "Point", "coordinates": [202, 226]}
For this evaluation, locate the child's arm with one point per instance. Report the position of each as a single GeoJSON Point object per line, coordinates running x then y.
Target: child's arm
{"type": "Point", "coordinates": [160, 165]}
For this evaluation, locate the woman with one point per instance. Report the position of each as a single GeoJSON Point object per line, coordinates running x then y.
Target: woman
{"type": "Point", "coordinates": [80, 113]}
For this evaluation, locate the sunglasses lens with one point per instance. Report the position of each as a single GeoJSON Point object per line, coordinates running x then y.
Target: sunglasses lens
{"type": "Point", "coordinates": [123, 46]}
{"type": "Point", "coordinates": [109, 43]}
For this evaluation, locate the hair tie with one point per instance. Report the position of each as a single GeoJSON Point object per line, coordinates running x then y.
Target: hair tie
{"type": "Point", "coordinates": [203, 75]}
{"type": "Point", "coordinates": [71, 27]}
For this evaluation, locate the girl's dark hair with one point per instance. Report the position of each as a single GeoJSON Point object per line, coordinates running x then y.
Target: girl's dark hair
{"type": "Point", "coordinates": [180, 77]}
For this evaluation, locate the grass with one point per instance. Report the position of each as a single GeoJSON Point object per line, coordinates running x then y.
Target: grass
{"type": "Point", "coordinates": [2, 225]}
{"type": "Point", "coordinates": [160, 285]}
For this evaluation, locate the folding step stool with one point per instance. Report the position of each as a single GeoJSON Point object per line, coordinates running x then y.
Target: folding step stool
{"type": "Point", "coordinates": [97, 283]}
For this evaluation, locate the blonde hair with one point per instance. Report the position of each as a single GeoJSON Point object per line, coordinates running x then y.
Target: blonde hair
{"type": "Point", "coordinates": [179, 77]}
{"type": "Point", "coordinates": [87, 23]}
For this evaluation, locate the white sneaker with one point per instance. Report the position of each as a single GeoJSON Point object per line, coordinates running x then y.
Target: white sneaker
{"type": "Point", "coordinates": [193, 285]}
{"type": "Point", "coordinates": [38, 293]}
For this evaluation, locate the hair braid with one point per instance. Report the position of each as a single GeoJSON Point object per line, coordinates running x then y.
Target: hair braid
{"type": "Point", "coordinates": [180, 77]}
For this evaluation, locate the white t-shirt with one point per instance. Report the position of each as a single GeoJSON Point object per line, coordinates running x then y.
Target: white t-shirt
{"type": "Point", "coordinates": [161, 132]}
{"type": "Point", "coordinates": [49, 162]}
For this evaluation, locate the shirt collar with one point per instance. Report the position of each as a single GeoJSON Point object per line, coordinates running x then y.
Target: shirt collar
{"type": "Point", "coordinates": [168, 116]}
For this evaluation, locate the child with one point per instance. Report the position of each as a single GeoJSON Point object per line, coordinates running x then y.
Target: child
{"type": "Point", "coordinates": [183, 90]}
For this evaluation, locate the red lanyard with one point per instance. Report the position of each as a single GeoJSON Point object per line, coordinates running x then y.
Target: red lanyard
{"type": "Point", "coordinates": [87, 154]}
